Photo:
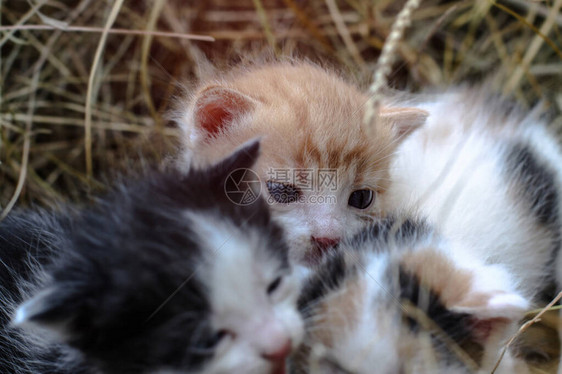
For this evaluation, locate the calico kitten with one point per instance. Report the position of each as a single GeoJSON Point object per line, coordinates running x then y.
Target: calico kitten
{"type": "Point", "coordinates": [488, 181]}
{"type": "Point", "coordinates": [164, 275]}
{"type": "Point", "coordinates": [322, 173]}
{"type": "Point", "coordinates": [489, 177]}
{"type": "Point", "coordinates": [394, 299]}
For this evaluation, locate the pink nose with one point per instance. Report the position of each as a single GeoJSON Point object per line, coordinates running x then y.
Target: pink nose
{"type": "Point", "coordinates": [325, 243]}
{"type": "Point", "coordinates": [279, 354]}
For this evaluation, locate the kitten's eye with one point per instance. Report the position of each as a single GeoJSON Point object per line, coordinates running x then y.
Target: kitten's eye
{"type": "Point", "coordinates": [274, 285]}
{"type": "Point", "coordinates": [361, 199]}
{"type": "Point", "coordinates": [220, 335]}
{"type": "Point", "coordinates": [283, 193]}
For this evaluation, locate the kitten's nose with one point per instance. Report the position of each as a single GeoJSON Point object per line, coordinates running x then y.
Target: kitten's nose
{"type": "Point", "coordinates": [280, 353]}
{"type": "Point", "coordinates": [325, 243]}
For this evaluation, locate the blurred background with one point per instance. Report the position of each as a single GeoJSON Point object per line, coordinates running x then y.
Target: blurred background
{"type": "Point", "coordinates": [78, 106]}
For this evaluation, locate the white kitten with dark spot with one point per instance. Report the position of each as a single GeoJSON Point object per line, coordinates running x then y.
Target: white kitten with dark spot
{"type": "Point", "coordinates": [489, 177]}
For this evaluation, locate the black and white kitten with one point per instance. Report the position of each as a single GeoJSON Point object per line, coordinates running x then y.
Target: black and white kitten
{"type": "Point", "coordinates": [163, 275]}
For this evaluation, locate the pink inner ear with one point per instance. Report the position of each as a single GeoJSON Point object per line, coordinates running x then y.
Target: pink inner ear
{"type": "Point", "coordinates": [217, 107]}
{"type": "Point", "coordinates": [212, 117]}
{"type": "Point", "coordinates": [483, 328]}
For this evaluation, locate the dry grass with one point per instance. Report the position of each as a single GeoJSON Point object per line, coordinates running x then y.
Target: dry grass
{"type": "Point", "coordinates": [78, 102]}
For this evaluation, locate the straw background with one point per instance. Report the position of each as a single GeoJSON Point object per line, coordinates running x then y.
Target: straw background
{"type": "Point", "coordinates": [79, 106]}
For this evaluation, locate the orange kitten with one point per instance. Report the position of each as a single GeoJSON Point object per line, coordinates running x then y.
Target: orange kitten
{"type": "Point", "coordinates": [319, 170]}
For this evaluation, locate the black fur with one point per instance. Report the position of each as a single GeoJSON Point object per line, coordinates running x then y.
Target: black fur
{"type": "Point", "coordinates": [406, 237]}
{"type": "Point", "coordinates": [456, 325]}
{"type": "Point", "coordinates": [328, 277]}
{"type": "Point", "coordinates": [333, 269]}
{"type": "Point", "coordinates": [26, 242]}
{"type": "Point", "coordinates": [540, 194]}
{"type": "Point", "coordinates": [377, 234]}
{"type": "Point", "coordinates": [114, 266]}
{"type": "Point", "coordinates": [383, 237]}
{"type": "Point", "coordinates": [539, 183]}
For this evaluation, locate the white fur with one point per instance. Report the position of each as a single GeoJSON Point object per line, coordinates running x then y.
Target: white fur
{"type": "Point", "coordinates": [451, 172]}
{"type": "Point", "coordinates": [26, 311]}
{"type": "Point", "coordinates": [330, 219]}
{"type": "Point", "coordinates": [238, 273]}
{"type": "Point", "coordinates": [374, 338]}
{"type": "Point", "coordinates": [332, 109]}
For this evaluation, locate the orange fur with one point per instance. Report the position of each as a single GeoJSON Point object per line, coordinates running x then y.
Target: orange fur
{"type": "Point", "coordinates": [307, 118]}
{"type": "Point", "coordinates": [338, 313]}
{"type": "Point", "coordinates": [440, 275]}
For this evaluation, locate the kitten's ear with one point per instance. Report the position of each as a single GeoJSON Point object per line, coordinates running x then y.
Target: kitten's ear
{"type": "Point", "coordinates": [217, 107]}
{"type": "Point", "coordinates": [404, 120]}
{"type": "Point", "coordinates": [52, 310]}
{"type": "Point", "coordinates": [243, 158]}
